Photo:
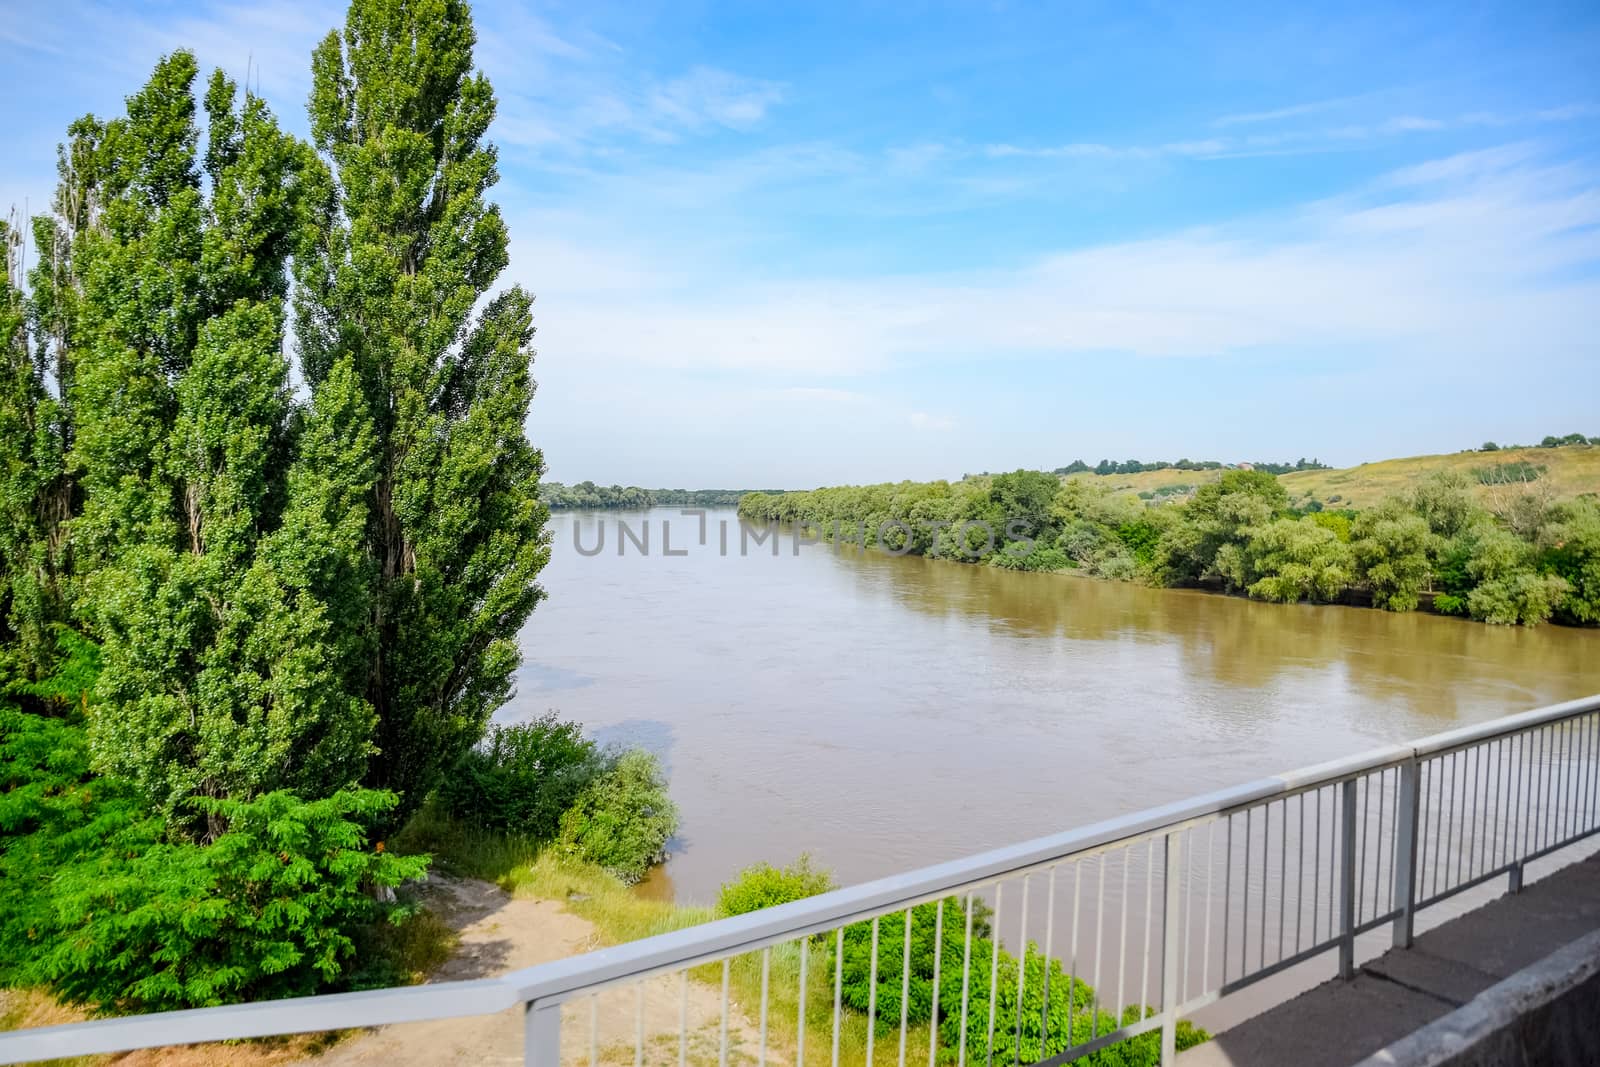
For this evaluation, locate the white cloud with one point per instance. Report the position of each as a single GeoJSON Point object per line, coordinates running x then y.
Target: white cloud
{"type": "Point", "coordinates": [1472, 257]}
{"type": "Point", "coordinates": [707, 95]}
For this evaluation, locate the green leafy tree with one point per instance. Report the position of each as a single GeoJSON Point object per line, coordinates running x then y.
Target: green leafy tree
{"type": "Point", "coordinates": [1217, 522]}
{"type": "Point", "coordinates": [403, 246]}
{"type": "Point", "coordinates": [226, 672]}
{"type": "Point", "coordinates": [1508, 588]}
{"type": "Point", "coordinates": [1574, 554]}
{"type": "Point", "coordinates": [623, 819]}
{"type": "Point", "coordinates": [1288, 560]}
{"type": "Point", "coordinates": [1391, 547]}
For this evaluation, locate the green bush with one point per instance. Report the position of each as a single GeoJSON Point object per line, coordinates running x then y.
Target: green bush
{"type": "Point", "coordinates": [104, 910]}
{"type": "Point", "coordinates": [623, 818]}
{"type": "Point", "coordinates": [521, 779]}
{"type": "Point", "coordinates": [1072, 1016]}
{"type": "Point", "coordinates": [1574, 555]}
{"type": "Point", "coordinates": [765, 886]}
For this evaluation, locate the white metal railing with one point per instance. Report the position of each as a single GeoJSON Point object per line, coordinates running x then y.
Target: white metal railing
{"type": "Point", "coordinates": [1211, 894]}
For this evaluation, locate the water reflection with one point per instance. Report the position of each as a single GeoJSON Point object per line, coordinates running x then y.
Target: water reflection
{"type": "Point", "coordinates": [1438, 666]}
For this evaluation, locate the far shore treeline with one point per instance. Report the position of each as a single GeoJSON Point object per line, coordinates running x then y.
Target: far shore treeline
{"type": "Point", "coordinates": [589, 495]}
{"type": "Point", "coordinates": [1499, 547]}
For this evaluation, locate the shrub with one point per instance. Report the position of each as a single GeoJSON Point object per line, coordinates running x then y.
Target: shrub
{"type": "Point", "coordinates": [1575, 556]}
{"type": "Point", "coordinates": [623, 818]}
{"type": "Point", "coordinates": [520, 779]}
{"type": "Point", "coordinates": [104, 911]}
{"type": "Point", "coordinates": [1391, 552]}
{"type": "Point", "coordinates": [1072, 1014]}
{"type": "Point", "coordinates": [765, 886]}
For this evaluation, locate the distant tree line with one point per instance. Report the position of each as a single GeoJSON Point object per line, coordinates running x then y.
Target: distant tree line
{"type": "Point", "coordinates": [1521, 558]}
{"type": "Point", "coordinates": [1134, 466]}
{"type": "Point", "coordinates": [1550, 441]}
{"type": "Point", "coordinates": [589, 495]}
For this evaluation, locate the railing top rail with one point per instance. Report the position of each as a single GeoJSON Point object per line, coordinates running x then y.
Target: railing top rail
{"type": "Point", "coordinates": [562, 978]}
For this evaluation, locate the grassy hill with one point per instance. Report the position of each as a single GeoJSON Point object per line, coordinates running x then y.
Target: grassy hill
{"type": "Point", "coordinates": [1570, 471]}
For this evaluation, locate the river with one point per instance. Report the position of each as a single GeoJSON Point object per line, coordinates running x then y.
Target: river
{"type": "Point", "coordinates": [883, 713]}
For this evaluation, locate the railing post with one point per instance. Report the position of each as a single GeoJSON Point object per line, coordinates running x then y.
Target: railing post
{"type": "Point", "coordinates": [541, 1035]}
{"type": "Point", "coordinates": [1407, 848]}
{"type": "Point", "coordinates": [1514, 883]}
{"type": "Point", "coordinates": [1347, 880]}
{"type": "Point", "coordinates": [1170, 938]}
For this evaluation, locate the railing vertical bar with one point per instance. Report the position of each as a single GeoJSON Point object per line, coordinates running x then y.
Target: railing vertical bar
{"type": "Point", "coordinates": [1099, 935]}
{"type": "Point", "coordinates": [1535, 784]}
{"type": "Point", "coordinates": [938, 959]}
{"type": "Point", "coordinates": [1464, 838]}
{"type": "Point", "coordinates": [541, 1035]}
{"type": "Point", "coordinates": [1364, 788]}
{"type": "Point", "coordinates": [905, 987]}
{"type": "Point", "coordinates": [1347, 875]}
{"type": "Point", "coordinates": [1022, 971]}
{"type": "Point", "coordinates": [800, 1012]}
{"type": "Point", "coordinates": [1072, 975]}
{"type": "Point", "coordinates": [1571, 773]}
{"type": "Point", "coordinates": [1492, 806]}
{"type": "Point", "coordinates": [1441, 858]}
{"type": "Point", "coordinates": [1404, 871]}
{"type": "Point", "coordinates": [1512, 757]}
{"type": "Point", "coordinates": [766, 971]}
{"type": "Point", "coordinates": [1149, 878]}
{"type": "Point", "coordinates": [1122, 935]}
{"type": "Point", "coordinates": [1049, 950]}
{"type": "Point", "coordinates": [838, 987]}
{"type": "Point", "coordinates": [1316, 869]}
{"type": "Point", "coordinates": [1266, 877]}
{"type": "Point", "coordinates": [966, 982]}
{"type": "Point", "coordinates": [1227, 896]}
{"type": "Point", "coordinates": [1171, 865]}
{"type": "Point", "coordinates": [1574, 770]}
{"type": "Point", "coordinates": [594, 1030]}
{"type": "Point", "coordinates": [1548, 771]}
{"type": "Point", "coordinates": [872, 989]}
{"type": "Point", "coordinates": [1188, 917]}
{"type": "Point", "coordinates": [638, 1021]}
{"type": "Point", "coordinates": [1244, 895]}
{"type": "Point", "coordinates": [994, 974]}
{"type": "Point", "coordinates": [1480, 810]}
{"type": "Point", "coordinates": [1300, 871]}
{"type": "Point", "coordinates": [1283, 872]}
{"type": "Point", "coordinates": [683, 1018]}
{"type": "Point", "coordinates": [1563, 780]}
{"type": "Point", "coordinates": [1205, 961]}
{"type": "Point", "coordinates": [722, 1053]}
{"type": "Point", "coordinates": [1378, 848]}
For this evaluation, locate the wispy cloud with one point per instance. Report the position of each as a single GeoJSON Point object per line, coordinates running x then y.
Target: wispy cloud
{"type": "Point", "coordinates": [1291, 141]}
{"type": "Point", "coordinates": [1292, 111]}
{"type": "Point", "coordinates": [1470, 257]}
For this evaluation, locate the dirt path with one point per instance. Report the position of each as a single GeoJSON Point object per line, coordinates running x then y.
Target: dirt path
{"type": "Point", "coordinates": [500, 933]}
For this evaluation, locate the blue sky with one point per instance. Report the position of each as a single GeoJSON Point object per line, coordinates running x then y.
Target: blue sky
{"type": "Point", "coordinates": [789, 245]}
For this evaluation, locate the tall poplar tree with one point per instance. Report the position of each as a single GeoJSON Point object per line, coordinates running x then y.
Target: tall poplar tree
{"type": "Point", "coordinates": [404, 248]}
{"type": "Point", "coordinates": [209, 551]}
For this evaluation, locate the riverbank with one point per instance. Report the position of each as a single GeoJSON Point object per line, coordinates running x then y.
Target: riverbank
{"type": "Point", "coordinates": [1524, 557]}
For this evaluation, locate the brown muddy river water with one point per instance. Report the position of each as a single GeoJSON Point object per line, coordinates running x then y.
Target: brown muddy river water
{"type": "Point", "coordinates": [884, 713]}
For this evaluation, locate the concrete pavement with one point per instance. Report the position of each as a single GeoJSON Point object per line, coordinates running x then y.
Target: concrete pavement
{"type": "Point", "coordinates": [1342, 1022]}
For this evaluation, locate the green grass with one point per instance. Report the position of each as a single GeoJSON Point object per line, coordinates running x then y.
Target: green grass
{"type": "Point", "coordinates": [1570, 471]}
{"type": "Point", "coordinates": [621, 915]}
